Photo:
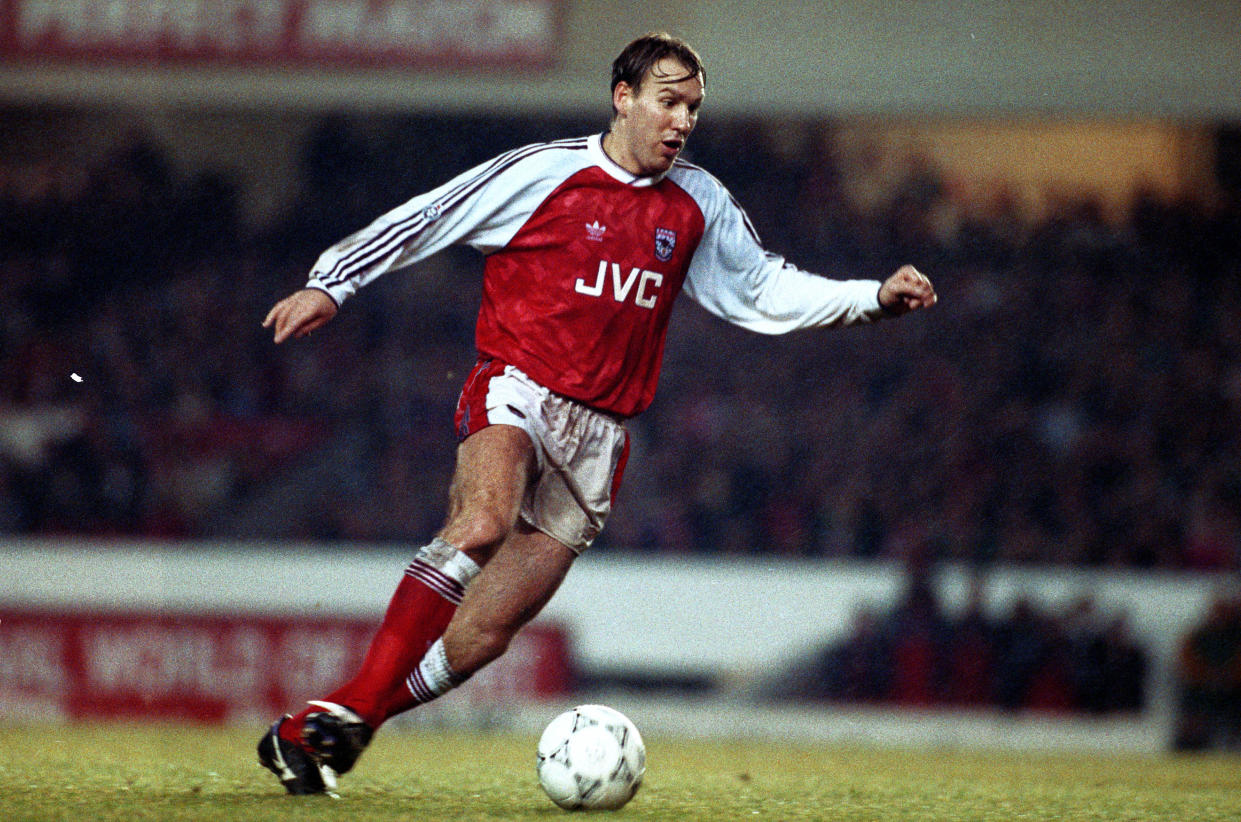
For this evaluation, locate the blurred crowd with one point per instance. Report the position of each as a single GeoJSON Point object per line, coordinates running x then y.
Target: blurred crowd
{"type": "Point", "coordinates": [1209, 680]}
{"type": "Point", "coordinates": [1075, 399]}
{"type": "Point", "coordinates": [1029, 658]}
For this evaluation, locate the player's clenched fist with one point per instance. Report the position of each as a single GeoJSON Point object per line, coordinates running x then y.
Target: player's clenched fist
{"type": "Point", "coordinates": [906, 290]}
{"type": "Point", "coordinates": [300, 313]}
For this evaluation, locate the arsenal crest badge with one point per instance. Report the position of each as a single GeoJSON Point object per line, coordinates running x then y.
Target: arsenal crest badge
{"type": "Point", "coordinates": [665, 242]}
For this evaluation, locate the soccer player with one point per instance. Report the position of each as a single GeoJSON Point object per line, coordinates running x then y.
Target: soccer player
{"type": "Point", "coordinates": [588, 242]}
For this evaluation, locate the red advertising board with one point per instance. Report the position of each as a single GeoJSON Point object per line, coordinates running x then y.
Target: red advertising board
{"type": "Point", "coordinates": [433, 34]}
{"type": "Point", "coordinates": [213, 668]}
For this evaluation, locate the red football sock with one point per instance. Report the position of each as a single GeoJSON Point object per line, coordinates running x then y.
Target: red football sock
{"type": "Point", "coordinates": [419, 612]}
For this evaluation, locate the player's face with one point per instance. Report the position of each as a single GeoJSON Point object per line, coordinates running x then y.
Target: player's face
{"type": "Point", "coordinates": [653, 122]}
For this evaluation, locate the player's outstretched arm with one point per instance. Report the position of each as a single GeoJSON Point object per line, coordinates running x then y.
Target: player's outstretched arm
{"type": "Point", "coordinates": [300, 313]}
{"type": "Point", "coordinates": [906, 290]}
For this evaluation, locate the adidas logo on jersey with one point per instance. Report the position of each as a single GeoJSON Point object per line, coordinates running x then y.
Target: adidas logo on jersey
{"type": "Point", "coordinates": [594, 231]}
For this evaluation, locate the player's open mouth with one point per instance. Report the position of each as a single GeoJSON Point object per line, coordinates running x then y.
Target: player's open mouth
{"type": "Point", "coordinates": [673, 146]}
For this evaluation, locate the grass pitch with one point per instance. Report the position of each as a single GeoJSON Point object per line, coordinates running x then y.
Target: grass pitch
{"type": "Point", "coordinates": [122, 772]}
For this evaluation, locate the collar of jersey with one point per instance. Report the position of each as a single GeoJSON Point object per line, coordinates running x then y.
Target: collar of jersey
{"type": "Point", "coordinates": [613, 170]}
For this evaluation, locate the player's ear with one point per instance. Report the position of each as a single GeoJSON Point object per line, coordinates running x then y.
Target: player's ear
{"type": "Point", "coordinates": [622, 98]}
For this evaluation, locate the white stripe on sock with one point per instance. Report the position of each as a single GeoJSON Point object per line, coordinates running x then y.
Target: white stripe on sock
{"type": "Point", "coordinates": [433, 677]}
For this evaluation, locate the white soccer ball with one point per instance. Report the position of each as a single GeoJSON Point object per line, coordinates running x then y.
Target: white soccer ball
{"type": "Point", "coordinates": [591, 757]}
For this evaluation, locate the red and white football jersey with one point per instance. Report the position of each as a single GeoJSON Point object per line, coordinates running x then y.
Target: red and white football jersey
{"type": "Point", "coordinates": [584, 261]}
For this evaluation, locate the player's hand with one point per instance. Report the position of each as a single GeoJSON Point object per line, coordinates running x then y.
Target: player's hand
{"type": "Point", "coordinates": [906, 290]}
{"type": "Point", "coordinates": [300, 313]}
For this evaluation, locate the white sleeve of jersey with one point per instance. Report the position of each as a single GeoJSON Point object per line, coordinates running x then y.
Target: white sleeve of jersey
{"type": "Point", "coordinates": [483, 208]}
{"type": "Point", "coordinates": [733, 277]}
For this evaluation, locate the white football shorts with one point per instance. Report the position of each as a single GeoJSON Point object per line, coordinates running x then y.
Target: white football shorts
{"type": "Point", "coordinates": [581, 451]}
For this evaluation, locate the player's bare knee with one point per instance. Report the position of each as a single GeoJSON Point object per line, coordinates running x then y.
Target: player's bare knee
{"type": "Point", "coordinates": [477, 532]}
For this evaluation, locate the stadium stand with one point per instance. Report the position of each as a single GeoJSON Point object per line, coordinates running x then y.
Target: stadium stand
{"type": "Point", "coordinates": [1074, 401]}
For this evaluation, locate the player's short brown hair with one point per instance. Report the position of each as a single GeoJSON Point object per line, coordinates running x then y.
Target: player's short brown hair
{"type": "Point", "coordinates": [637, 58]}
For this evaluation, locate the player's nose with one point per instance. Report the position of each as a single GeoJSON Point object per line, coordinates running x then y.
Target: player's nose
{"type": "Point", "coordinates": [682, 120]}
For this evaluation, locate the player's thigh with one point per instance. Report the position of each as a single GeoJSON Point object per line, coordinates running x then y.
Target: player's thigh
{"type": "Point", "coordinates": [525, 572]}
{"type": "Point", "coordinates": [494, 466]}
